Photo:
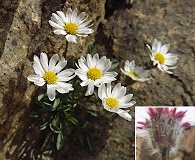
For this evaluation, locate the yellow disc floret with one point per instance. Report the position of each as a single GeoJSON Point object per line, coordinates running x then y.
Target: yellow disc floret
{"type": "Point", "coordinates": [134, 74]}
{"type": "Point", "coordinates": [94, 73]}
{"type": "Point", "coordinates": [112, 102]}
{"type": "Point", "coordinates": [71, 28]}
{"type": "Point", "coordinates": [160, 58]}
{"type": "Point", "coordinates": [50, 77]}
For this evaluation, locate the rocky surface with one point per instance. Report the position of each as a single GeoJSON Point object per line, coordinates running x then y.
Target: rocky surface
{"type": "Point", "coordinates": [122, 28]}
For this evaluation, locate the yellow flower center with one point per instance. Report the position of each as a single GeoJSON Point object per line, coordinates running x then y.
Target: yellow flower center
{"type": "Point", "coordinates": [134, 74]}
{"type": "Point", "coordinates": [71, 28]}
{"type": "Point", "coordinates": [50, 77]}
{"type": "Point", "coordinates": [94, 73]}
{"type": "Point", "coordinates": [160, 58]}
{"type": "Point", "coordinates": [112, 102]}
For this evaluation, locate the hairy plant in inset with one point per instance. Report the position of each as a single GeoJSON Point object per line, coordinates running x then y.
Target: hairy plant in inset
{"type": "Point", "coordinates": [163, 128]}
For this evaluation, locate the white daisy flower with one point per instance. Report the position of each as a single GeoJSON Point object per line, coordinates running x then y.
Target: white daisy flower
{"type": "Point", "coordinates": [114, 100]}
{"type": "Point", "coordinates": [71, 24]}
{"type": "Point", "coordinates": [52, 75]}
{"type": "Point", "coordinates": [94, 71]}
{"type": "Point", "coordinates": [163, 126]}
{"type": "Point", "coordinates": [159, 56]}
{"type": "Point", "coordinates": [135, 73]}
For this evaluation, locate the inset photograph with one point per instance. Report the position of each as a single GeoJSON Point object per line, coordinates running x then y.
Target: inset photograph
{"type": "Point", "coordinates": [165, 133]}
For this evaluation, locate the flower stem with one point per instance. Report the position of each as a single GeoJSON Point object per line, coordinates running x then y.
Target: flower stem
{"type": "Point", "coordinates": [66, 49]}
{"type": "Point", "coordinates": [165, 153]}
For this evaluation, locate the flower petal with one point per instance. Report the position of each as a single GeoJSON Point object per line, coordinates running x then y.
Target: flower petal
{"type": "Point", "coordinates": [53, 62]}
{"type": "Point", "coordinates": [124, 114]}
{"type": "Point", "coordinates": [37, 66]}
{"type": "Point", "coordinates": [71, 38]}
{"type": "Point", "coordinates": [44, 61]}
{"type": "Point", "coordinates": [51, 92]}
{"type": "Point", "coordinates": [60, 32]}
{"type": "Point", "coordinates": [61, 64]}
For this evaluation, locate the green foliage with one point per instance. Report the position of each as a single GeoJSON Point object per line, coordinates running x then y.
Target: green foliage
{"type": "Point", "coordinates": [67, 110]}
{"type": "Point", "coordinates": [68, 113]}
{"type": "Point", "coordinates": [115, 64]}
{"type": "Point", "coordinates": [90, 49]}
{"type": "Point", "coordinates": [47, 153]}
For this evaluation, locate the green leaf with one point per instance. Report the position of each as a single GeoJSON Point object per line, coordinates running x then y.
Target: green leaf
{"type": "Point", "coordinates": [96, 94]}
{"type": "Point", "coordinates": [56, 103]}
{"type": "Point", "coordinates": [82, 138]}
{"type": "Point", "coordinates": [54, 128]}
{"type": "Point", "coordinates": [115, 64]}
{"type": "Point", "coordinates": [34, 114]}
{"type": "Point", "coordinates": [47, 104]}
{"type": "Point", "coordinates": [44, 126]}
{"type": "Point", "coordinates": [89, 142]}
{"type": "Point", "coordinates": [47, 153]}
{"type": "Point", "coordinates": [71, 119]}
{"type": "Point", "coordinates": [92, 112]}
{"type": "Point", "coordinates": [40, 97]}
{"type": "Point", "coordinates": [60, 140]}
{"type": "Point", "coordinates": [90, 49]}
{"type": "Point", "coordinates": [64, 108]}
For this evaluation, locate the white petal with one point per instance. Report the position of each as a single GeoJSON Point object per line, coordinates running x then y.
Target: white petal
{"type": "Point", "coordinates": [125, 99]}
{"type": "Point", "coordinates": [124, 114]}
{"type": "Point", "coordinates": [126, 66]}
{"type": "Point", "coordinates": [82, 35]}
{"type": "Point", "coordinates": [104, 64]}
{"type": "Point", "coordinates": [165, 48]}
{"type": "Point", "coordinates": [40, 82]}
{"type": "Point", "coordinates": [80, 17]}
{"type": "Point", "coordinates": [127, 105]}
{"type": "Point", "coordinates": [44, 61]}
{"type": "Point", "coordinates": [71, 38]}
{"type": "Point", "coordinates": [84, 83]}
{"type": "Point", "coordinates": [61, 64]}
{"type": "Point", "coordinates": [108, 90]}
{"type": "Point", "coordinates": [65, 78]}
{"type": "Point", "coordinates": [95, 59]}
{"type": "Point", "coordinates": [118, 91]}
{"type": "Point", "coordinates": [33, 78]}
{"type": "Point", "coordinates": [74, 15]}
{"type": "Point", "coordinates": [154, 45]}
{"type": "Point", "coordinates": [149, 47]}
{"type": "Point", "coordinates": [102, 91]}
{"type": "Point", "coordinates": [64, 87]}
{"type": "Point", "coordinates": [37, 66]}
{"type": "Point", "coordinates": [90, 61]}
{"type": "Point", "coordinates": [55, 25]}
{"type": "Point", "coordinates": [82, 64]}
{"type": "Point", "coordinates": [51, 92]}
{"type": "Point", "coordinates": [60, 32]}
{"type": "Point", "coordinates": [53, 62]}
{"type": "Point", "coordinates": [55, 18]}
{"type": "Point", "coordinates": [84, 24]}
{"type": "Point", "coordinates": [90, 88]}
{"type": "Point", "coordinates": [68, 14]}
{"type": "Point", "coordinates": [81, 74]}
{"type": "Point", "coordinates": [66, 73]}
{"type": "Point", "coordinates": [85, 30]}
{"type": "Point", "coordinates": [62, 16]}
